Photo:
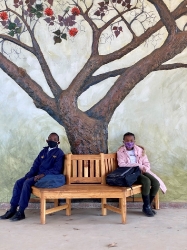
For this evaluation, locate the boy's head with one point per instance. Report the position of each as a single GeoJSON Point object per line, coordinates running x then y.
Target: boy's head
{"type": "Point", "coordinates": [53, 140]}
{"type": "Point", "coordinates": [53, 137]}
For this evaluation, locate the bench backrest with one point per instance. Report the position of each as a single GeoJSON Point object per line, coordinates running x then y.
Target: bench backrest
{"type": "Point", "coordinates": [110, 164]}
{"type": "Point", "coordinates": [89, 169]}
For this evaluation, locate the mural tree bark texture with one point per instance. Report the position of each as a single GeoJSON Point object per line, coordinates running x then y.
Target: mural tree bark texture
{"type": "Point", "coordinates": [88, 131]}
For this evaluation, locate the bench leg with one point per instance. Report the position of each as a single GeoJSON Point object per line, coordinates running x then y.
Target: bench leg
{"type": "Point", "coordinates": [56, 203]}
{"type": "Point", "coordinates": [104, 210]}
{"type": "Point", "coordinates": [42, 210]}
{"type": "Point", "coordinates": [123, 207]}
{"type": "Point", "coordinates": [156, 201]}
{"type": "Point", "coordinates": [119, 203]}
{"type": "Point", "coordinates": [68, 209]}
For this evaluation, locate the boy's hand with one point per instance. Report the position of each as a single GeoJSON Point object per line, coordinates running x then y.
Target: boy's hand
{"type": "Point", "coordinates": [38, 177]}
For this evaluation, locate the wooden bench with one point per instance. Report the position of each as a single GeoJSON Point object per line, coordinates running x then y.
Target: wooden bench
{"type": "Point", "coordinates": [86, 178]}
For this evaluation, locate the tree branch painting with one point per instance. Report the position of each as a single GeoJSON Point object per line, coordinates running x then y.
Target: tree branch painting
{"type": "Point", "coordinates": [88, 131]}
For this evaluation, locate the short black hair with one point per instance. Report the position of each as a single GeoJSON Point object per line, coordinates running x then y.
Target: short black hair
{"type": "Point", "coordinates": [128, 134]}
{"type": "Point", "coordinates": [53, 133]}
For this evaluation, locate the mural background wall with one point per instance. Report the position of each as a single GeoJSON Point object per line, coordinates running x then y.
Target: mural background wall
{"type": "Point", "coordinates": [155, 110]}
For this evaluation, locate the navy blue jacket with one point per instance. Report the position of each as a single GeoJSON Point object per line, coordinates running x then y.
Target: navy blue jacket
{"type": "Point", "coordinates": [51, 162]}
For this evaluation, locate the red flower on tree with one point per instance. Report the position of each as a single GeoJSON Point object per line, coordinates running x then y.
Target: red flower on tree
{"type": "Point", "coordinates": [48, 12]}
{"type": "Point", "coordinates": [73, 31]}
{"type": "Point", "coordinates": [3, 16]}
{"type": "Point", "coordinates": [75, 11]}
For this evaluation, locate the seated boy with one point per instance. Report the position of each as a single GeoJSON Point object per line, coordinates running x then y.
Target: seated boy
{"type": "Point", "coordinates": [49, 161]}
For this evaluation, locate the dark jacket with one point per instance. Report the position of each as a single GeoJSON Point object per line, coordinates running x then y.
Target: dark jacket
{"type": "Point", "coordinates": [51, 162]}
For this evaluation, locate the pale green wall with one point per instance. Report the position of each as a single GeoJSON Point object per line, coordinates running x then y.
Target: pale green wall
{"type": "Point", "coordinates": [155, 110]}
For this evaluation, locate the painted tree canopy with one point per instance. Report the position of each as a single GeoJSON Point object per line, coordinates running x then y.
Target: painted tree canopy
{"type": "Point", "coordinates": [109, 21]}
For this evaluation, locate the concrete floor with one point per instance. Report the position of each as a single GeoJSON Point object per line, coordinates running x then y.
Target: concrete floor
{"type": "Point", "coordinates": [85, 229]}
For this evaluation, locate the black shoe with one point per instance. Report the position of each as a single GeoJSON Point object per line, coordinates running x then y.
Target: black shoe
{"type": "Point", "coordinates": [151, 199]}
{"type": "Point", "coordinates": [148, 211]}
{"type": "Point", "coordinates": [154, 212]}
{"type": "Point", "coordinates": [18, 216]}
{"type": "Point", "coordinates": [8, 214]}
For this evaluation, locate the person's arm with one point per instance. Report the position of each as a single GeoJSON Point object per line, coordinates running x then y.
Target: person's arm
{"type": "Point", "coordinates": [58, 165]}
{"type": "Point", "coordinates": [123, 160]}
{"type": "Point", "coordinates": [145, 166]}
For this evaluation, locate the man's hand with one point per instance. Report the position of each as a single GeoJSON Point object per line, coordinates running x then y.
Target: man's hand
{"type": "Point", "coordinates": [38, 177]}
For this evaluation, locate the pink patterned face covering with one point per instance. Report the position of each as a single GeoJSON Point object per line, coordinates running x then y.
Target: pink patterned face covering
{"type": "Point", "coordinates": [129, 145]}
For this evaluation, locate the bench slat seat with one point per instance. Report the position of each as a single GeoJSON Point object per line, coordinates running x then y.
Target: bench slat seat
{"type": "Point", "coordinates": [85, 191]}
{"type": "Point", "coordinates": [83, 187]}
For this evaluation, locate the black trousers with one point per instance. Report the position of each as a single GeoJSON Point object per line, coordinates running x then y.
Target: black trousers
{"type": "Point", "coordinates": [22, 192]}
{"type": "Point", "coordinates": [150, 184]}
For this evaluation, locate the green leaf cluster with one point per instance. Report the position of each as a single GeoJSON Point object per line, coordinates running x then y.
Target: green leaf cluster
{"type": "Point", "coordinates": [67, 9]}
{"type": "Point", "coordinates": [38, 10]}
{"type": "Point", "coordinates": [59, 36]}
{"type": "Point", "coordinates": [13, 29]}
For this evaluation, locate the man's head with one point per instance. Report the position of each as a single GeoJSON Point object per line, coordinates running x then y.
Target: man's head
{"type": "Point", "coordinates": [53, 140]}
{"type": "Point", "coordinates": [129, 140]}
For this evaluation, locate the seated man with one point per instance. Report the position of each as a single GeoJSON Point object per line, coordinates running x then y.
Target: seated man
{"type": "Point", "coordinates": [131, 155]}
{"type": "Point", "coordinates": [49, 161]}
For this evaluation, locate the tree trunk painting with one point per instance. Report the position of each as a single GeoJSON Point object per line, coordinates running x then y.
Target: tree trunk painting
{"type": "Point", "coordinates": [88, 131]}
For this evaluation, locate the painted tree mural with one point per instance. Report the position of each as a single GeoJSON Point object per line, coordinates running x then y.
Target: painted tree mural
{"type": "Point", "coordinates": [88, 131]}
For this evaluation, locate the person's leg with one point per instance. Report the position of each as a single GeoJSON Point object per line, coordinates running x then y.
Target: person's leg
{"type": "Point", "coordinates": [24, 199]}
{"type": "Point", "coordinates": [26, 194]}
{"type": "Point", "coordinates": [14, 202]}
{"type": "Point", "coordinates": [15, 199]}
{"type": "Point", "coordinates": [146, 184]}
{"type": "Point", "coordinates": [155, 185]}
